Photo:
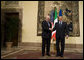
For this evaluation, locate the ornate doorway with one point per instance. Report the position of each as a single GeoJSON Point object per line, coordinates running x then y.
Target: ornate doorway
{"type": "Point", "coordinates": [11, 12]}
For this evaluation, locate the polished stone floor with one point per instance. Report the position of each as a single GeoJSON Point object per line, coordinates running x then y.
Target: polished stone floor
{"type": "Point", "coordinates": [36, 54]}
{"type": "Point", "coordinates": [4, 51]}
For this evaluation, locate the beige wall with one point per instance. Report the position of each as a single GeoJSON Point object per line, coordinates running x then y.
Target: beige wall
{"type": "Point", "coordinates": [29, 28]}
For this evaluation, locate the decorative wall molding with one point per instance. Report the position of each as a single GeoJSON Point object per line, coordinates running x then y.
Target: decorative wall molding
{"type": "Point", "coordinates": [11, 4]}
{"type": "Point", "coordinates": [11, 10]}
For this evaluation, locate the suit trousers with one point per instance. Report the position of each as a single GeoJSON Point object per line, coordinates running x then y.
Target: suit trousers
{"type": "Point", "coordinates": [45, 44]}
{"type": "Point", "coordinates": [58, 40]}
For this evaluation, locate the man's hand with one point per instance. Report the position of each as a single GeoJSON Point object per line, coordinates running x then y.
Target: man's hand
{"type": "Point", "coordinates": [66, 36]}
{"type": "Point", "coordinates": [50, 29]}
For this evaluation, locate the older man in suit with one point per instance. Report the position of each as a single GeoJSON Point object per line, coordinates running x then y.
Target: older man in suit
{"type": "Point", "coordinates": [61, 29]}
{"type": "Point", "coordinates": [46, 36]}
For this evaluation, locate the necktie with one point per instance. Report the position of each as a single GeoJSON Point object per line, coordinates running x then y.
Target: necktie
{"type": "Point", "coordinates": [48, 24]}
{"type": "Point", "coordinates": [60, 23]}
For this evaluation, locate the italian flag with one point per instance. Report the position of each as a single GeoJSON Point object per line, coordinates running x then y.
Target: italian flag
{"type": "Point", "coordinates": [53, 25]}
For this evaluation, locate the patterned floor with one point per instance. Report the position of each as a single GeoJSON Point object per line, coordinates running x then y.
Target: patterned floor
{"type": "Point", "coordinates": [26, 54]}
{"type": "Point", "coordinates": [4, 51]}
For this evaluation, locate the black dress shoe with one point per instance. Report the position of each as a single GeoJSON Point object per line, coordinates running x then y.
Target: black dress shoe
{"type": "Point", "coordinates": [42, 54]}
{"type": "Point", "coordinates": [57, 55]}
{"type": "Point", "coordinates": [48, 54]}
{"type": "Point", "coordinates": [61, 55]}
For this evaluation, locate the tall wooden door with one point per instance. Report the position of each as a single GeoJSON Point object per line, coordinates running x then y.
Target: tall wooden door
{"type": "Point", "coordinates": [15, 39]}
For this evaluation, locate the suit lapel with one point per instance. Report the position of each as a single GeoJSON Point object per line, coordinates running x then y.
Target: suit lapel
{"type": "Point", "coordinates": [50, 24]}
{"type": "Point", "coordinates": [47, 24]}
{"type": "Point", "coordinates": [62, 24]}
{"type": "Point", "coordinates": [58, 23]}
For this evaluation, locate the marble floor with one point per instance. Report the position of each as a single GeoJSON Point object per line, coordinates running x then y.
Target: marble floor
{"type": "Point", "coordinates": [19, 53]}
{"type": "Point", "coordinates": [4, 51]}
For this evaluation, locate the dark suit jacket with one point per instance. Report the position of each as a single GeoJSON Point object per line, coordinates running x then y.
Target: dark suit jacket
{"type": "Point", "coordinates": [60, 31]}
{"type": "Point", "coordinates": [46, 33]}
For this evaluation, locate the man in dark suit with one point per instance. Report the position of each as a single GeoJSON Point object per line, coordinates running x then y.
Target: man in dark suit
{"type": "Point", "coordinates": [46, 36]}
{"type": "Point", "coordinates": [61, 28]}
